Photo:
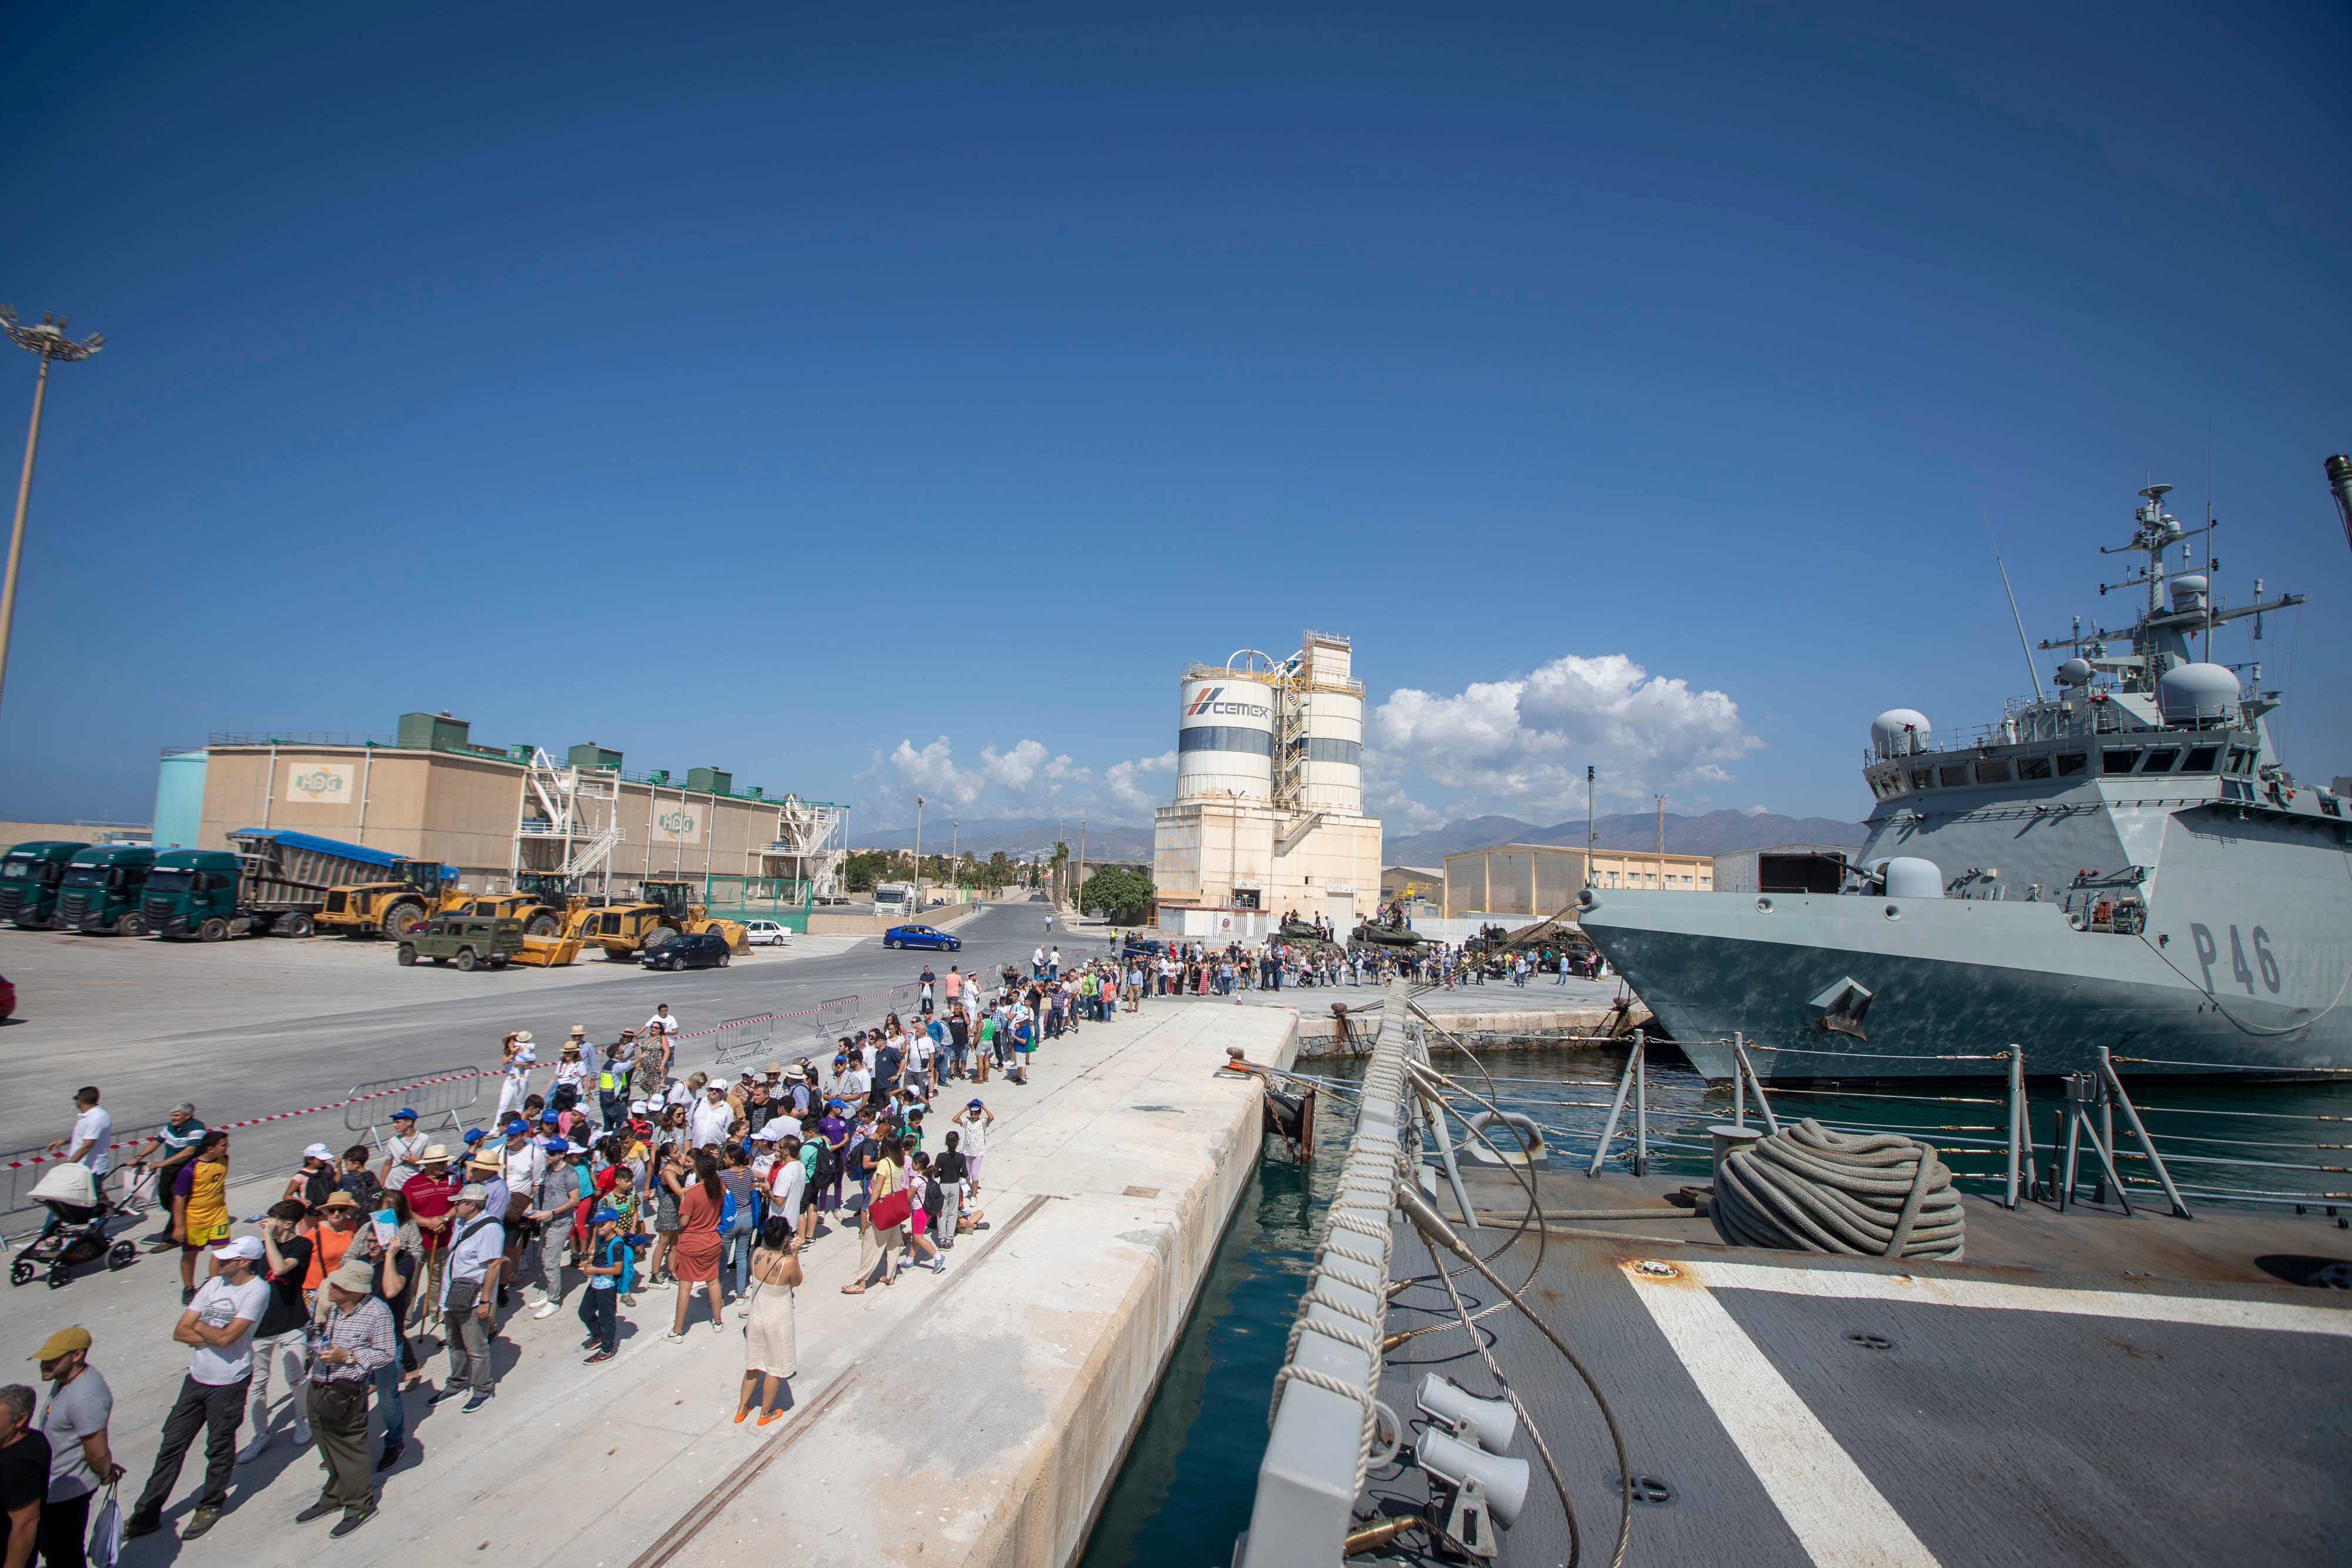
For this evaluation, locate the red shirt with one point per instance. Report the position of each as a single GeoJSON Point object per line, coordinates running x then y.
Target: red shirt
{"type": "Point", "coordinates": [430, 1199]}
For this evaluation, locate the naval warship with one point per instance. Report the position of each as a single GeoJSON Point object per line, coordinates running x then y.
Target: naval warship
{"type": "Point", "coordinates": [2125, 862]}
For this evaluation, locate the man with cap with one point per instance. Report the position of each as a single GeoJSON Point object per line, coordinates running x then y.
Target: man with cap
{"type": "Point", "coordinates": [354, 1336]}
{"type": "Point", "coordinates": [403, 1151]}
{"type": "Point", "coordinates": [430, 1194]}
{"type": "Point", "coordinates": [548, 1205]}
{"type": "Point", "coordinates": [219, 1323]}
{"type": "Point", "coordinates": [80, 1405]}
{"type": "Point", "coordinates": [281, 1341]}
{"type": "Point", "coordinates": [173, 1145]}
{"type": "Point", "coordinates": [468, 1286]}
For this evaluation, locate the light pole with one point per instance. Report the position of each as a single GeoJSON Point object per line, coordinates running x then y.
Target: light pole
{"type": "Point", "coordinates": [48, 339]}
{"type": "Point", "coordinates": [1590, 880]}
{"type": "Point", "coordinates": [919, 857]}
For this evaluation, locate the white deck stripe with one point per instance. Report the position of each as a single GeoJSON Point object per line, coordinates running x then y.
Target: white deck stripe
{"type": "Point", "coordinates": [1837, 1516]}
{"type": "Point", "coordinates": [1849, 1284]}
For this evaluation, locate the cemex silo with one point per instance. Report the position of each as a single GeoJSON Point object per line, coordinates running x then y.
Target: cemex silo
{"type": "Point", "coordinates": [1268, 816]}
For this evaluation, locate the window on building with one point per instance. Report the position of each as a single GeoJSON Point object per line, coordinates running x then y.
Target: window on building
{"type": "Point", "coordinates": [1994, 770]}
{"type": "Point", "coordinates": [1953, 776]}
{"type": "Point", "coordinates": [2034, 767]}
{"type": "Point", "coordinates": [1922, 778]}
{"type": "Point", "coordinates": [2200, 759]}
{"type": "Point", "coordinates": [2071, 763]}
{"type": "Point", "coordinates": [2161, 760]}
{"type": "Point", "coordinates": [2114, 761]}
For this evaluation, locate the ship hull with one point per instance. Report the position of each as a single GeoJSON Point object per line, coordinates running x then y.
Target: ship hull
{"type": "Point", "coordinates": [1955, 983]}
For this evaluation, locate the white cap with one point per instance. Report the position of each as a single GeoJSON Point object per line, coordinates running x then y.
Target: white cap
{"type": "Point", "coordinates": [765, 1135]}
{"type": "Point", "coordinates": [317, 1152]}
{"type": "Point", "coordinates": [637, 1107]}
{"type": "Point", "coordinates": [245, 1246]}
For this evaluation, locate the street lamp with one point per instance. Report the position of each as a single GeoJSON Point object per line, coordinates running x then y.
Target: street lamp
{"type": "Point", "coordinates": [919, 857]}
{"type": "Point", "coordinates": [48, 339]}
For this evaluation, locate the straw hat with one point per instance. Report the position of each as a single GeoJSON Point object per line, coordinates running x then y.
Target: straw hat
{"type": "Point", "coordinates": [354, 1274]}
{"type": "Point", "coordinates": [434, 1155]}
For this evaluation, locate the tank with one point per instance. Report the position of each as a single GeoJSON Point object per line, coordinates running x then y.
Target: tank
{"type": "Point", "coordinates": [1898, 732]}
{"type": "Point", "coordinates": [1224, 734]}
{"type": "Point", "coordinates": [2197, 693]}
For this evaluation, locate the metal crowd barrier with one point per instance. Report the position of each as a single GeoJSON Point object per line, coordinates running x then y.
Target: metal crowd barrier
{"type": "Point", "coordinates": [738, 1040]}
{"type": "Point", "coordinates": [440, 1097]}
{"type": "Point", "coordinates": [834, 1019]}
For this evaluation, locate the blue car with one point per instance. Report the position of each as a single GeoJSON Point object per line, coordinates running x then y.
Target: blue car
{"type": "Point", "coordinates": [921, 936]}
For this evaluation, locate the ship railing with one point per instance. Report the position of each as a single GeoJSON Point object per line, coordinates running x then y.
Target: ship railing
{"type": "Point", "coordinates": [2301, 1131]}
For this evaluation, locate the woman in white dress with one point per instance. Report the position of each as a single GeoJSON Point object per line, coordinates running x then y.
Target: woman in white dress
{"type": "Point", "coordinates": [771, 1346]}
{"type": "Point", "coordinates": [516, 1059]}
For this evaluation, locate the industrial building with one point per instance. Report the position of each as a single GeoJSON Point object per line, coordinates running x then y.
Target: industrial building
{"type": "Point", "coordinates": [429, 792]}
{"type": "Point", "coordinates": [1269, 809]}
{"type": "Point", "coordinates": [1535, 882]}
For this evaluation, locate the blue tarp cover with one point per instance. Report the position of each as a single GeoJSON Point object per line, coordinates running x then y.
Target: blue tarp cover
{"type": "Point", "coordinates": [334, 847]}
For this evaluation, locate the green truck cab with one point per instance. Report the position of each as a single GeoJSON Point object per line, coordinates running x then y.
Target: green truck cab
{"type": "Point", "coordinates": [467, 941]}
{"type": "Point", "coordinates": [193, 893]}
{"type": "Point", "coordinates": [101, 889]}
{"type": "Point", "coordinates": [29, 876]}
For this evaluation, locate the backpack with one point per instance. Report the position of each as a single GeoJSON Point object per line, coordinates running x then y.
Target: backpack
{"type": "Point", "coordinates": [726, 1209]}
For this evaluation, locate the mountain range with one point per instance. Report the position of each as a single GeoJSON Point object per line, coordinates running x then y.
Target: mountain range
{"type": "Point", "coordinates": [1715, 833]}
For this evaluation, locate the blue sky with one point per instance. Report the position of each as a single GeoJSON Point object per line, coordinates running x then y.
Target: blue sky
{"type": "Point", "coordinates": [871, 401]}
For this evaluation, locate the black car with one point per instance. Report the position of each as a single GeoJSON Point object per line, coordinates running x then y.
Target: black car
{"type": "Point", "coordinates": [698, 950]}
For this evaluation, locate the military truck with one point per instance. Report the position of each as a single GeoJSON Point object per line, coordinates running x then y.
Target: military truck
{"type": "Point", "coordinates": [465, 940]}
{"type": "Point", "coordinates": [101, 890]}
{"type": "Point", "coordinates": [29, 876]}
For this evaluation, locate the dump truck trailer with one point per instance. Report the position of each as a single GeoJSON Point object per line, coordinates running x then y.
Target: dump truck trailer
{"type": "Point", "coordinates": [270, 881]}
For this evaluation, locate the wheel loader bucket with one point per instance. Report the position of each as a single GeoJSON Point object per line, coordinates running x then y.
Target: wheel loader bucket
{"type": "Point", "coordinates": [548, 952]}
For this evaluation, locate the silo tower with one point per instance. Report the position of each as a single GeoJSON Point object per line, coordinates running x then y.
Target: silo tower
{"type": "Point", "coordinates": [1225, 730]}
{"type": "Point", "coordinates": [1328, 745]}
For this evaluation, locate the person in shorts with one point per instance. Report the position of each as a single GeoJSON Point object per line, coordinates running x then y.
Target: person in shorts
{"type": "Point", "coordinates": [207, 1223]}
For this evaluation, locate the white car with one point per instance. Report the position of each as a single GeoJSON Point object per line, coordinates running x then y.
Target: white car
{"type": "Point", "coordinates": [766, 934]}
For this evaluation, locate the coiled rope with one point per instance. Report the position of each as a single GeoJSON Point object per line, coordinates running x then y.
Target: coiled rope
{"type": "Point", "coordinates": [1812, 1190]}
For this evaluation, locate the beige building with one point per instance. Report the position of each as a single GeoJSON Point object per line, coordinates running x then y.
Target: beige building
{"type": "Point", "coordinates": [429, 793]}
{"type": "Point", "coordinates": [1535, 882]}
{"type": "Point", "coordinates": [1268, 815]}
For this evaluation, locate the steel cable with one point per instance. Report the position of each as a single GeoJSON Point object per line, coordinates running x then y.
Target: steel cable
{"type": "Point", "coordinates": [1812, 1190]}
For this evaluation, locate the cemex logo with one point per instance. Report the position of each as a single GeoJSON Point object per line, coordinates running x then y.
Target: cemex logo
{"type": "Point", "coordinates": [1207, 703]}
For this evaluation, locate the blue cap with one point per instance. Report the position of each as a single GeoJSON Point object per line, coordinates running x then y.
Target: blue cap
{"type": "Point", "coordinates": [404, 1114]}
{"type": "Point", "coordinates": [556, 1146]}
{"type": "Point", "coordinates": [977, 1102]}
{"type": "Point", "coordinates": [474, 1135]}
{"type": "Point", "coordinates": [550, 1116]}
{"type": "Point", "coordinates": [608, 1216]}
{"type": "Point", "coordinates": [514, 1128]}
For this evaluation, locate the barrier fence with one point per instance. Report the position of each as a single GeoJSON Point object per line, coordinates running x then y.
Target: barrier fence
{"type": "Point", "coordinates": [737, 1039]}
{"type": "Point", "coordinates": [440, 1099]}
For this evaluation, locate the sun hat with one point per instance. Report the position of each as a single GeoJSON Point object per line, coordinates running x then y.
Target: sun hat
{"type": "Point", "coordinates": [339, 1198]}
{"type": "Point", "coordinates": [472, 1192]}
{"type": "Point", "coordinates": [579, 1031]}
{"type": "Point", "coordinates": [60, 1343]}
{"type": "Point", "coordinates": [245, 1246]}
{"type": "Point", "coordinates": [354, 1274]}
{"type": "Point", "coordinates": [434, 1155]}
{"type": "Point", "coordinates": [522, 1037]}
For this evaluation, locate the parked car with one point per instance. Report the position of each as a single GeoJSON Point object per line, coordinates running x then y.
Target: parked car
{"type": "Point", "coordinates": [696, 950]}
{"type": "Point", "coordinates": [921, 936]}
{"type": "Point", "coordinates": [766, 934]}
{"type": "Point", "coordinates": [466, 941]}
{"type": "Point", "coordinates": [7, 999]}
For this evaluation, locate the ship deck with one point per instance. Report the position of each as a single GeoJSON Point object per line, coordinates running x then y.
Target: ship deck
{"type": "Point", "coordinates": [2086, 1388]}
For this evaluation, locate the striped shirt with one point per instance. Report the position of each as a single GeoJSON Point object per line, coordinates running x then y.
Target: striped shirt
{"type": "Point", "coordinates": [365, 1330]}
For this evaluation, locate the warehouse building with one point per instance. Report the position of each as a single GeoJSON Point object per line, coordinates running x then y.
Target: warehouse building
{"type": "Point", "coordinates": [428, 791]}
{"type": "Point", "coordinates": [1268, 816]}
{"type": "Point", "coordinates": [1535, 882]}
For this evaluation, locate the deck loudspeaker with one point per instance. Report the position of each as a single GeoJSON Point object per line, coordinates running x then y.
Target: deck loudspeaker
{"type": "Point", "coordinates": [1502, 1480]}
{"type": "Point", "coordinates": [1445, 1399]}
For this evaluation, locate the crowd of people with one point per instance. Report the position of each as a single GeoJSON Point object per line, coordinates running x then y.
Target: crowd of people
{"type": "Point", "coordinates": [603, 1174]}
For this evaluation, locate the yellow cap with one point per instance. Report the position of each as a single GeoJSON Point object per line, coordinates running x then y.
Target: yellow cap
{"type": "Point", "coordinates": [61, 1341]}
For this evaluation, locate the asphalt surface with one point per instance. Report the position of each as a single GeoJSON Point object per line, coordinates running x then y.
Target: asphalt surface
{"type": "Point", "coordinates": [259, 1026]}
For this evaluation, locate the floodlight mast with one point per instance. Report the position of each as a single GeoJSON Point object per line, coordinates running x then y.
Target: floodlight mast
{"type": "Point", "coordinates": [49, 339]}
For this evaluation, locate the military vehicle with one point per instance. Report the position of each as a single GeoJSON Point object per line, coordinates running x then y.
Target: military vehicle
{"type": "Point", "coordinates": [465, 940]}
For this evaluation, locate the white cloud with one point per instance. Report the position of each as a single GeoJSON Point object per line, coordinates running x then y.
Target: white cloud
{"type": "Point", "coordinates": [1025, 780]}
{"type": "Point", "coordinates": [1523, 744]}
{"type": "Point", "coordinates": [1121, 786]}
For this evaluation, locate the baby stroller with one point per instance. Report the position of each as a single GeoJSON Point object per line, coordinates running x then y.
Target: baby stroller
{"type": "Point", "coordinates": [78, 1232]}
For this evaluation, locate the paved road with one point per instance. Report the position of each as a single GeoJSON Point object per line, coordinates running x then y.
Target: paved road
{"type": "Point", "coordinates": [252, 1028]}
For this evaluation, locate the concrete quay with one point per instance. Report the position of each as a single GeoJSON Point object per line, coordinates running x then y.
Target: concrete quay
{"type": "Point", "coordinates": [976, 1416]}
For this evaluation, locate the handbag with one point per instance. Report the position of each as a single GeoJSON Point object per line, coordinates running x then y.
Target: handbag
{"type": "Point", "coordinates": [106, 1531]}
{"type": "Point", "coordinates": [889, 1210]}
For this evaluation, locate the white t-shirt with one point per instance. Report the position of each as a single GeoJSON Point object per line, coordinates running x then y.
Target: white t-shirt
{"type": "Point", "coordinates": [659, 1022]}
{"type": "Point", "coordinates": [855, 1085]}
{"type": "Point", "coordinates": [791, 1181]}
{"type": "Point", "coordinates": [96, 1128]}
{"type": "Point", "coordinates": [974, 1142]}
{"type": "Point", "coordinates": [218, 1304]}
